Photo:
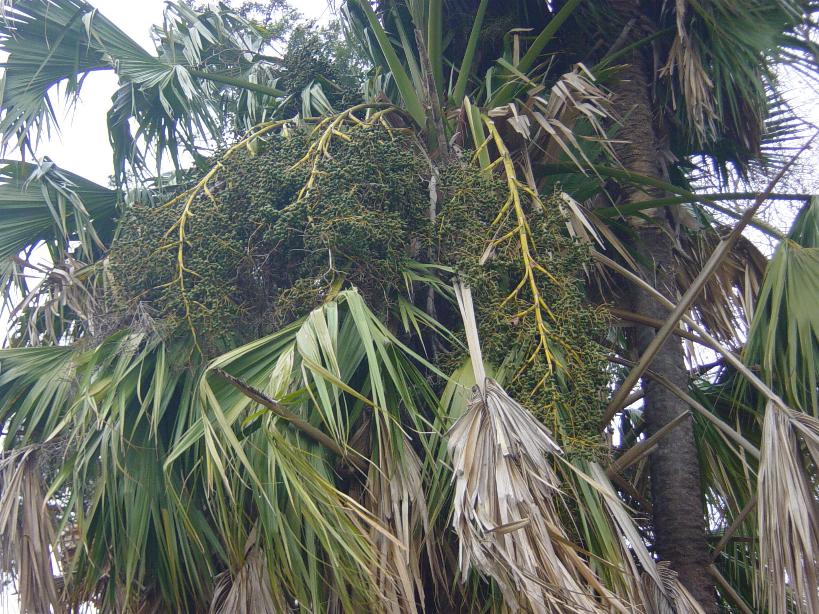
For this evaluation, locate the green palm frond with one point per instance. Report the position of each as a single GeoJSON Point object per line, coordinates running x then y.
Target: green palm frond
{"type": "Point", "coordinates": [410, 91]}
{"type": "Point", "coordinates": [419, 71]}
{"type": "Point", "coordinates": [111, 409]}
{"type": "Point", "coordinates": [721, 65]}
{"type": "Point", "coordinates": [783, 340]}
{"type": "Point", "coordinates": [54, 43]}
{"type": "Point", "coordinates": [172, 95]}
{"type": "Point", "coordinates": [56, 227]}
{"type": "Point", "coordinates": [782, 345]}
{"type": "Point", "coordinates": [42, 203]}
{"type": "Point", "coordinates": [730, 476]}
{"type": "Point", "coordinates": [102, 416]}
{"type": "Point", "coordinates": [345, 373]}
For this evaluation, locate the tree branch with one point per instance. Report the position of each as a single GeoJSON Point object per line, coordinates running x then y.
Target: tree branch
{"type": "Point", "coordinates": [642, 448]}
{"type": "Point", "coordinates": [694, 404]}
{"type": "Point", "coordinates": [729, 532]}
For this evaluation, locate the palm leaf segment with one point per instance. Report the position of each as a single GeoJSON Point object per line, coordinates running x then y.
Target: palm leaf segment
{"type": "Point", "coordinates": [208, 459]}
{"type": "Point", "coordinates": [720, 63]}
{"type": "Point", "coordinates": [783, 342]}
{"type": "Point", "coordinates": [57, 227]}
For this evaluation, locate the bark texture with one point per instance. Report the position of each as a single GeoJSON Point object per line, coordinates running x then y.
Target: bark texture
{"type": "Point", "coordinates": [678, 514]}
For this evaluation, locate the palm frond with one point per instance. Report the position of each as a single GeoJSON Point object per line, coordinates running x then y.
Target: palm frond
{"type": "Point", "coordinates": [661, 590]}
{"type": "Point", "coordinates": [51, 43]}
{"type": "Point", "coordinates": [505, 508]}
{"type": "Point", "coordinates": [506, 93]}
{"type": "Point", "coordinates": [250, 590]}
{"type": "Point", "coordinates": [726, 305]}
{"type": "Point", "coordinates": [782, 343]}
{"type": "Point", "coordinates": [783, 340]}
{"type": "Point", "coordinates": [119, 526]}
{"type": "Point", "coordinates": [43, 203]}
{"type": "Point", "coordinates": [26, 530]}
{"type": "Point", "coordinates": [57, 226]}
{"type": "Point", "coordinates": [721, 68]}
{"type": "Point", "coordinates": [343, 370]}
{"type": "Point", "coordinates": [409, 91]}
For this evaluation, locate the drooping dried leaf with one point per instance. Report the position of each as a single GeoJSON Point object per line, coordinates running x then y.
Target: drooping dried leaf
{"type": "Point", "coordinates": [788, 518]}
{"type": "Point", "coordinates": [26, 531]}
{"type": "Point", "coordinates": [505, 511]}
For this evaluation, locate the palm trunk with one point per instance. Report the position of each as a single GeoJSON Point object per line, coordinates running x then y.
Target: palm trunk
{"type": "Point", "coordinates": [678, 512]}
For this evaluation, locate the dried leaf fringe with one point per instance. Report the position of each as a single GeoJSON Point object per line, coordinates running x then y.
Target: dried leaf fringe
{"type": "Point", "coordinates": [396, 497]}
{"type": "Point", "coordinates": [26, 531]}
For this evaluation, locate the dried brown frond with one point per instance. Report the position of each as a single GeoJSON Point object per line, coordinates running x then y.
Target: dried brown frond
{"type": "Point", "coordinates": [789, 511]}
{"type": "Point", "coordinates": [505, 510]}
{"type": "Point", "coordinates": [725, 306]}
{"type": "Point", "coordinates": [395, 496]}
{"type": "Point", "coordinates": [249, 591]}
{"type": "Point", "coordinates": [506, 513]}
{"type": "Point", "coordinates": [574, 97]}
{"type": "Point", "coordinates": [27, 531]}
{"type": "Point", "coordinates": [668, 595]}
{"type": "Point", "coordinates": [69, 287]}
{"type": "Point", "coordinates": [685, 63]}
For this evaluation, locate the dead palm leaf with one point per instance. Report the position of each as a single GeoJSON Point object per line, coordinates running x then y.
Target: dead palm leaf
{"type": "Point", "coordinates": [26, 531]}
{"type": "Point", "coordinates": [504, 509]}
{"type": "Point", "coordinates": [395, 496]}
{"type": "Point", "coordinates": [788, 518]}
{"type": "Point", "coordinates": [668, 596]}
{"type": "Point", "coordinates": [249, 591]}
{"type": "Point", "coordinates": [782, 343]}
{"type": "Point", "coordinates": [725, 306]}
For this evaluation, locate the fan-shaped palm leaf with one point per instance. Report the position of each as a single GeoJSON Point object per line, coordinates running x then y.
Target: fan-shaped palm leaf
{"type": "Point", "coordinates": [172, 95]}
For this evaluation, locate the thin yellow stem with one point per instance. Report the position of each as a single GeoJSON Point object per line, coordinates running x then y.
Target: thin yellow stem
{"type": "Point", "coordinates": [524, 236]}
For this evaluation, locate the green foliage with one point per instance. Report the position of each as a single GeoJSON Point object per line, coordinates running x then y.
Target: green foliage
{"type": "Point", "coordinates": [283, 226]}
{"type": "Point", "coordinates": [568, 396]}
{"type": "Point", "coordinates": [319, 56]}
{"type": "Point", "coordinates": [172, 479]}
{"type": "Point", "coordinates": [183, 493]}
{"type": "Point", "coordinates": [205, 66]}
{"type": "Point", "coordinates": [273, 19]}
{"type": "Point", "coordinates": [259, 251]}
{"type": "Point", "coordinates": [783, 340]}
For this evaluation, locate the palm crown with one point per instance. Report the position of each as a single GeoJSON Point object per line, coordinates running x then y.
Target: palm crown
{"type": "Point", "coordinates": [243, 386]}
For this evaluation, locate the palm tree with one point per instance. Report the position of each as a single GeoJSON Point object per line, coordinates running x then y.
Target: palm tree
{"type": "Point", "coordinates": [173, 446]}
